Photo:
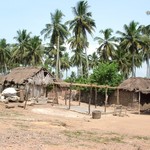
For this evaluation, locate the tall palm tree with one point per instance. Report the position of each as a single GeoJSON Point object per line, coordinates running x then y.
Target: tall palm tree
{"type": "Point", "coordinates": [107, 45]}
{"type": "Point", "coordinates": [35, 52]}
{"type": "Point", "coordinates": [131, 41]}
{"type": "Point", "coordinates": [123, 60]}
{"type": "Point", "coordinates": [4, 55]}
{"type": "Point", "coordinates": [21, 46]}
{"type": "Point", "coordinates": [77, 58]}
{"type": "Point", "coordinates": [93, 60]}
{"type": "Point", "coordinates": [57, 32]}
{"type": "Point", "coordinates": [65, 62]}
{"type": "Point", "coordinates": [81, 25]}
{"type": "Point", "coordinates": [145, 30]}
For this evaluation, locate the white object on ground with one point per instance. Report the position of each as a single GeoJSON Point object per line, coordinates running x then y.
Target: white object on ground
{"type": "Point", "coordinates": [9, 91]}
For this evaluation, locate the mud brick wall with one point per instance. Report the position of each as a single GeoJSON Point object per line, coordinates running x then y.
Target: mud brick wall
{"type": "Point", "coordinates": [126, 98]}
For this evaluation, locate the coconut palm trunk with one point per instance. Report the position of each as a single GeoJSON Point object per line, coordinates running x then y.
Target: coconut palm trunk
{"type": "Point", "coordinates": [133, 67]}
{"type": "Point", "coordinates": [57, 61]}
{"type": "Point", "coordinates": [148, 66]}
{"type": "Point", "coordinates": [6, 68]}
{"type": "Point", "coordinates": [87, 63]}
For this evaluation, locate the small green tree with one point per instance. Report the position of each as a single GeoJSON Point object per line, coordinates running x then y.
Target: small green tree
{"type": "Point", "coordinates": [106, 74]}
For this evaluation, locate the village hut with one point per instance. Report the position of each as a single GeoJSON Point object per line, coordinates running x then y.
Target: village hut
{"type": "Point", "coordinates": [33, 80]}
{"type": "Point", "coordinates": [1, 78]}
{"type": "Point", "coordinates": [134, 91]}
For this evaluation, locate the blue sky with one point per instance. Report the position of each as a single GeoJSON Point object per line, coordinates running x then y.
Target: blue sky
{"type": "Point", "coordinates": [34, 14]}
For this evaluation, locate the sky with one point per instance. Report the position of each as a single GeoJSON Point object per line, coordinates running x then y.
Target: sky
{"type": "Point", "coordinates": [32, 15]}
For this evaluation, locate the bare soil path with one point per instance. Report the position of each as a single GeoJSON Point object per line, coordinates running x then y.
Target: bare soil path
{"type": "Point", "coordinates": [46, 127]}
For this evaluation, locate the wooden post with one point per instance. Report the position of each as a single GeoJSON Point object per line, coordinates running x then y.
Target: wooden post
{"type": "Point", "coordinates": [26, 100]}
{"type": "Point", "coordinates": [22, 95]}
{"type": "Point", "coordinates": [95, 97]}
{"type": "Point", "coordinates": [26, 94]}
{"type": "Point", "coordinates": [66, 97]}
{"type": "Point", "coordinates": [70, 95]}
{"type": "Point", "coordinates": [118, 102]}
{"type": "Point", "coordinates": [55, 101]}
{"type": "Point", "coordinates": [106, 98]}
{"type": "Point", "coordinates": [90, 98]}
{"type": "Point", "coordinates": [139, 102]}
{"type": "Point", "coordinates": [79, 97]}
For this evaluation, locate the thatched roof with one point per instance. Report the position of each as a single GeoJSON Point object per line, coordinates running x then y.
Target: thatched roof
{"type": "Point", "coordinates": [137, 84]}
{"type": "Point", "coordinates": [21, 74]}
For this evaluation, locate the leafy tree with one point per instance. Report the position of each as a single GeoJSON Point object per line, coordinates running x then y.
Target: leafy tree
{"type": "Point", "coordinates": [106, 74]}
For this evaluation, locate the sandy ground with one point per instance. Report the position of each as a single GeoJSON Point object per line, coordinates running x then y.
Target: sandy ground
{"type": "Point", "coordinates": [47, 127]}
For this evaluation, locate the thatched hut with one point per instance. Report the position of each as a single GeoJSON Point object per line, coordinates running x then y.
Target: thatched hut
{"type": "Point", "coordinates": [1, 78]}
{"type": "Point", "coordinates": [135, 90]}
{"type": "Point", "coordinates": [33, 80]}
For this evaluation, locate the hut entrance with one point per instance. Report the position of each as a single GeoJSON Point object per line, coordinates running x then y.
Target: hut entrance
{"type": "Point", "coordinates": [145, 102]}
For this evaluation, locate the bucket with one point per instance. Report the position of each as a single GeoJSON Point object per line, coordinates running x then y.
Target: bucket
{"type": "Point", "coordinates": [96, 114]}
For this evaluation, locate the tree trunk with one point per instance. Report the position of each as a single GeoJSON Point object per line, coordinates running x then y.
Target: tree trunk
{"type": "Point", "coordinates": [66, 73]}
{"type": "Point", "coordinates": [148, 67]}
{"type": "Point", "coordinates": [5, 68]}
{"type": "Point", "coordinates": [87, 63]}
{"type": "Point", "coordinates": [57, 59]}
{"type": "Point", "coordinates": [133, 65]}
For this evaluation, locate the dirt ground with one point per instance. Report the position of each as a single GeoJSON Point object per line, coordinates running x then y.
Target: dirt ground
{"type": "Point", "coordinates": [47, 127]}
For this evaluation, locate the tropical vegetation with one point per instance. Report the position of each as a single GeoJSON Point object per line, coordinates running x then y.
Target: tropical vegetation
{"type": "Point", "coordinates": [119, 52]}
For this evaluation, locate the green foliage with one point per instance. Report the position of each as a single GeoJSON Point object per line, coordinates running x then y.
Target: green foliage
{"type": "Point", "coordinates": [106, 74]}
{"type": "Point", "coordinates": [80, 80]}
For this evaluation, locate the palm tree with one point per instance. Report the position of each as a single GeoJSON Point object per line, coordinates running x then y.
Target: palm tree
{"type": "Point", "coordinates": [21, 47]}
{"type": "Point", "coordinates": [145, 30]}
{"type": "Point", "coordinates": [77, 58]}
{"type": "Point", "coordinates": [93, 60]}
{"type": "Point", "coordinates": [107, 45]}
{"type": "Point", "coordinates": [57, 32]}
{"type": "Point", "coordinates": [35, 52]}
{"type": "Point", "coordinates": [123, 60]}
{"type": "Point", "coordinates": [81, 25]}
{"type": "Point", "coordinates": [131, 41]}
{"type": "Point", "coordinates": [65, 62]}
{"type": "Point", "coordinates": [4, 55]}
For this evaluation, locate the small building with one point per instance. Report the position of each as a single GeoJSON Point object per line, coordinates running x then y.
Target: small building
{"type": "Point", "coordinates": [33, 80]}
{"type": "Point", "coordinates": [133, 91]}
{"type": "Point", "coordinates": [1, 78]}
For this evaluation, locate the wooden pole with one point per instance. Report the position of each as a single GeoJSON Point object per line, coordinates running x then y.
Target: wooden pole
{"type": "Point", "coordinates": [66, 97]}
{"type": "Point", "coordinates": [95, 97]}
{"type": "Point", "coordinates": [55, 101]}
{"type": "Point", "coordinates": [139, 102]}
{"type": "Point", "coordinates": [70, 95]}
{"type": "Point", "coordinates": [118, 102]}
{"type": "Point", "coordinates": [26, 94]}
{"type": "Point", "coordinates": [106, 98]}
{"type": "Point", "coordinates": [90, 98]}
{"type": "Point", "coordinates": [79, 97]}
{"type": "Point", "coordinates": [26, 100]}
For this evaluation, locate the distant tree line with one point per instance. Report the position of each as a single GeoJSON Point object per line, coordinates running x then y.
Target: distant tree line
{"type": "Point", "coordinates": [128, 50]}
